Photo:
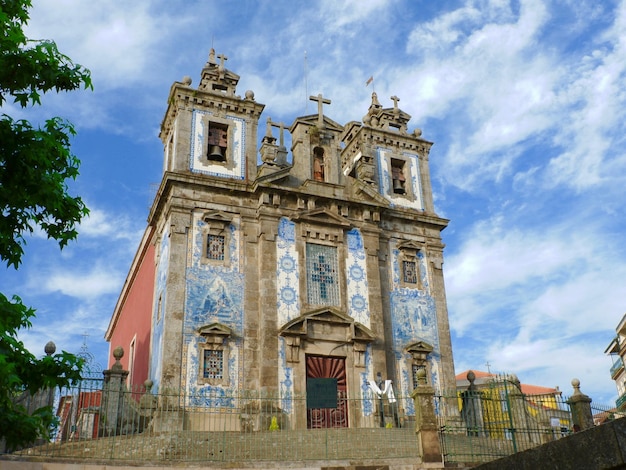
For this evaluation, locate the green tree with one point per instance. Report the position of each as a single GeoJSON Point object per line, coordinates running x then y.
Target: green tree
{"type": "Point", "coordinates": [35, 166]}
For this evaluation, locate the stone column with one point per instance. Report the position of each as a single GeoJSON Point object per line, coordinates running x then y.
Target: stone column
{"type": "Point", "coordinates": [429, 447]}
{"type": "Point", "coordinates": [113, 391]}
{"type": "Point", "coordinates": [580, 404]}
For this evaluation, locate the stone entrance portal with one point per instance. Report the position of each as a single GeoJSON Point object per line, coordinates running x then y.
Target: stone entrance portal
{"type": "Point", "coordinates": [325, 367]}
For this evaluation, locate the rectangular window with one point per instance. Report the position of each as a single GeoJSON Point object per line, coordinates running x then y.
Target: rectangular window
{"type": "Point", "coordinates": [322, 275]}
{"type": "Point", "coordinates": [213, 364]}
{"type": "Point", "coordinates": [215, 247]}
{"type": "Point", "coordinates": [409, 270]}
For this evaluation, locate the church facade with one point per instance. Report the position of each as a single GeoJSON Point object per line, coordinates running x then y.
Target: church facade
{"type": "Point", "coordinates": [263, 268]}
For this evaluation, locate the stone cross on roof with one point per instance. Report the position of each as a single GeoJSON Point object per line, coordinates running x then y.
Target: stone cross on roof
{"type": "Point", "coordinates": [395, 100]}
{"type": "Point", "coordinates": [321, 101]}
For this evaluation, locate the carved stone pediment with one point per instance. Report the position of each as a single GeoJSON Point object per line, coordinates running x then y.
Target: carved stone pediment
{"type": "Point", "coordinates": [269, 174]}
{"type": "Point", "coordinates": [419, 350]}
{"type": "Point", "coordinates": [215, 332]}
{"type": "Point", "coordinates": [367, 193]}
{"type": "Point", "coordinates": [410, 245]}
{"type": "Point", "coordinates": [323, 217]}
{"type": "Point", "coordinates": [362, 333]}
{"type": "Point", "coordinates": [313, 120]}
{"type": "Point", "coordinates": [217, 216]}
{"type": "Point", "coordinates": [326, 324]}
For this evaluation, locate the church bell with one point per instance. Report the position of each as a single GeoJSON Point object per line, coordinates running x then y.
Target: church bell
{"type": "Point", "coordinates": [216, 152]}
{"type": "Point", "coordinates": [398, 188]}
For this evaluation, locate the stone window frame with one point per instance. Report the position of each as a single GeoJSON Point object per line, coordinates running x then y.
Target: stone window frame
{"type": "Point", "coordinates": [228, 160]}
{"type": "Point", "coordinates": [406, 172]}
{"type": "Point", "coordinates": [216, 224]}
{"type": "Point", "coordinates": [216, 338]}
{"type": "Point", "coordinates": [419, 352]}
{"type": "Point", "coordinates": [321, 226]}
{"type": "Point", "coordinates": [409, 252]}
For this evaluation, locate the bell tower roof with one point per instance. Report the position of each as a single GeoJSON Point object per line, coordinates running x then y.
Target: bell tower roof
{"type": "Point", "coordinates": [216, 78]}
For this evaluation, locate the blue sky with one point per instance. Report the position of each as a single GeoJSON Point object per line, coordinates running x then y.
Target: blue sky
{"type": "Point", "coordinates": [524, 99]}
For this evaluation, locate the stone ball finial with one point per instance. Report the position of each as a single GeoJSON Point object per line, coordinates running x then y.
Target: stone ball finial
{"type": "Point", "coordinates": [50, 348]}
{"type": "Point", "coordinates": [417, 132]}
{"type": "Point", "coordinates": [187, 80]}
{"type": "Point", "coordinates": [471, 376]}
{"type": "Point", "coordinates": [421, 376]}
{"type": "Point", "coordinates": [118, 353]}
{"type": "Point", "coordinates": [576, 385]}
{"type": "Point", "coordinates": [148, 384]}
{"type": "Point", "coordinates": [249, 95]}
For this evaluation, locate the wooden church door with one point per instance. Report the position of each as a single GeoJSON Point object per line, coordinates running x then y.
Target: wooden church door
{"type": "Point", "coordinates": [324, 367]}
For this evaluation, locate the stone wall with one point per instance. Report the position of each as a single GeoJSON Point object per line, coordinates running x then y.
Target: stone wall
{"type": "Point", "coordinates": [601, 447]}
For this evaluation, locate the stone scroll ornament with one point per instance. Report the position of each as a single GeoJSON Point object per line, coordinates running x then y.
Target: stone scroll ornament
{"type": "Point", "coordinates": [386, 391]}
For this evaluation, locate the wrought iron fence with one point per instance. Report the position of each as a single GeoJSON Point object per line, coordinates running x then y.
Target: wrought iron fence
{"type": "Point", "coordinates": [216, 425]}
{"type": "Point", "coordinates": [499, 420]}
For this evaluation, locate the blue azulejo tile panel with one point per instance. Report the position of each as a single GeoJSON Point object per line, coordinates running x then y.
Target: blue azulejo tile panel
{"type": "Point", "coordinates": [287, 273]}
{"type": "Point", "coordinates": [413, 318]}
{"type": "Point", "coordinates": [285, 378]}
{"type": "Point", "coordinates": [356, 277]}
{"type": "Point", "coordinates": [235, 164]}
{"type": "Point", "coordinates": [214, 294]}
{"type": "Point", "coordinates": [287, 301]}
{"type": "Point", "coordinates": [205, 395]}
{"type": "Point", "coordinates": [158, 310]}
{"type": "Point", "coordinates": [367, 405]}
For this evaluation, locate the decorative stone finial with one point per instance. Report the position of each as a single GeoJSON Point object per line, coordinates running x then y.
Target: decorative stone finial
{"type": "Point", "coordinates": [421, 376]}
{"type": "Point", "coordinates": [576, 385]}
{"type": "Point", "coordinates": [249, 95]}
{"type": "Point", "coordinates": [471, 376]}
{"type": "Point", "coordinates": [148, 384]}
{"type": "Point", "coordinates": [187, 80]}
{"type": "Point", "coordinates": [50, 348]}
{"type": "Point", "coordinates": [375, 101]}
{"type": "Point", "coordinates": [118, 353]}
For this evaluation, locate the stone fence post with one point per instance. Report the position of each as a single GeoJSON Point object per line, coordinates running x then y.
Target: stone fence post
{"type": "Point", "coordinates": [429, 448]}
{"type": "Point", "coordinates": [472, 411]}
{"type": "Point", "coordinates": [580, 404]}
{"type": "Point", "coordinates": [113, 392]}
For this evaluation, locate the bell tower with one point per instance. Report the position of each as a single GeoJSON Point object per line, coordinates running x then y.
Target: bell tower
{"type": "Point", "coordinates": [211, 130]}
{"type": "Point", "coordinates": [384, 162]}
{"type": "Point", "coordinates": [316, 146]}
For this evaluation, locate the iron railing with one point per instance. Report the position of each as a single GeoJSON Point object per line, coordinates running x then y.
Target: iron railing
{"type": "Point", "coordinates": [216, 425]}
{"type": "Point", "coordinates": [498, 421]}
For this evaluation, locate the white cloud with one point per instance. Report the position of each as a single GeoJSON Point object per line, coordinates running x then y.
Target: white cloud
{"type": "Point", "coordinates": [117, 40]}
{"type": "Point", "coordinates": [83, 285]}
{"type": "Point", "coordinates": [101, 224]}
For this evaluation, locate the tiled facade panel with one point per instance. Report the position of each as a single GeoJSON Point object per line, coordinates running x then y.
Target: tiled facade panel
{"type": "Point", "coordinates": [214, 295]}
